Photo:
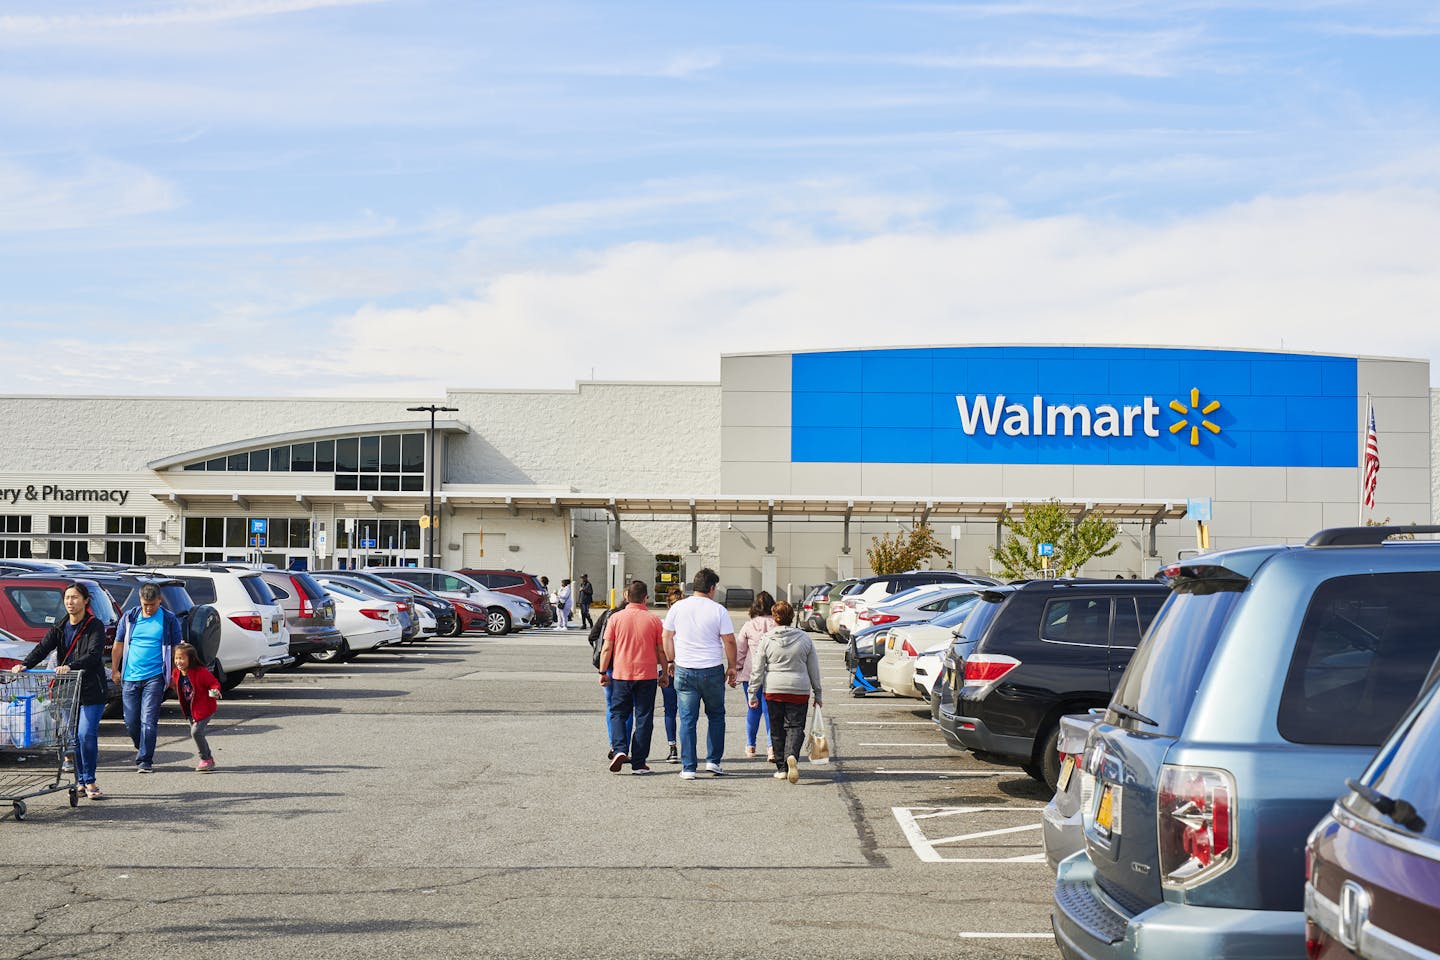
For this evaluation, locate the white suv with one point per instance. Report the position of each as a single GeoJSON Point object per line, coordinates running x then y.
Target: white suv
{"type": "Point", "coordinates": [253, 634]}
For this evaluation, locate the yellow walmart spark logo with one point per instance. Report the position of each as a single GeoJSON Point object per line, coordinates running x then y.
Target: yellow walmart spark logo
{"type": "Point", "coordinates": [1202, 412]}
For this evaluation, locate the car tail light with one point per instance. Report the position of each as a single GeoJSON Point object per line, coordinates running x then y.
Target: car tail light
{"type": "Point", "coordinates": [879, 619]}
{"type": "Point", "coordinates": [403, 607]}
{"type": "Point", "coordinates": [306, 612]}
{"type": "Point", "coordinates": [247, 623]}
{"type": "Point", "coordinates": [908, 650]}
{"type": "Point", "coordinates": [374, 614]}
{"type": "Point", "coordinates": [1196, 807]}
{"type": "Point", "coordinates": [984, 670]}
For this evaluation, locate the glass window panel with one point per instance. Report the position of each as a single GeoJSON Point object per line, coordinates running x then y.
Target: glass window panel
{"type": "Point", "coordinates": [390, 453]}
{"type": "Point", "coordinates": [369, 454]}
{"type": "Point", "coordinates": [390, 534]}
{"type": "Point", "coordinates": [369, 481]}
{"type": "Point", "coordinates": [235, 531]}
{"type": "Point", "coordinates": [324, 456]}
{"type": "Point", "coordinates": [347, 481]}
{"type": "Point", "coordinates": [302, 458]}
{"type": "Point", "coordinates": [410, 533]}
{"type": "Point", "coordinates": [390, 481]}
{"type": "Point", "coordinates": [238, 461]}
{"type": "Point", "coordinates": [260, 460]}
{"type": "Point", "coordinates": [299, 534]}
{"type": "Point", "coordinates": [412, 453]}
{"type": "Point", "coordinates": [217, 464]}
{"type": "Point", "coordinates": [412, 482]}
{"type": "Point", "coordinates": [347, 455]}
{"type": "Point", "coordinates": [112, 524]}
{"type": "Point", "coordinates": [195, 466]}
{"type": "Point", "coordinates": [280, 458]}
{"type": "Point", "coordinates": [275, 532]}
{"type": "Point", "coordinates": [194, 531]}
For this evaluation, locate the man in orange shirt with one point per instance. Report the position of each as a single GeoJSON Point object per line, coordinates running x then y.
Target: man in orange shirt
{"type": "Point", "coordinates": [634, 655]}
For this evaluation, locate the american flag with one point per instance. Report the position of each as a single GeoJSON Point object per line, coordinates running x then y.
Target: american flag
{"type": "Point", "coordinates": [1372, 460]}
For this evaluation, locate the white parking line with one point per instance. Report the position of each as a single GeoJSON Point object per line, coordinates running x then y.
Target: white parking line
{"type": "Point", "coordinates": [948, 773]}
{"type": "Point", "coordinates": [897, 744]}
{"type": "Point", "coordinates": [889, 723]}
{"type": "Point", "coordinates": [925, 848]}
{"type": "Point", "coordinates": [1002, 936]}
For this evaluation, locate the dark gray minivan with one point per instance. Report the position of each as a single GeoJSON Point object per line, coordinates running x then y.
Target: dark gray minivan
{"type": "Point", "coordinates": [1268, 678]}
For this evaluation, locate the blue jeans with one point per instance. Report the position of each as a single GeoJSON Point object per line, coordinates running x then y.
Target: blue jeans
{"type": "Point", "coordinates": [87, 742]}
{"type": "Point", "coordinates": [610, 699]}
{"type": "Point", "coordinates": [753, 714]}
{"type": "Point", "coordinates": [142, 715]}
{"type": "Point", "coordinates": [693, 686]}
{"type": "Point", "coordinates": [667, 693]}
{"type": "Point", "coordinates": [632, 707]}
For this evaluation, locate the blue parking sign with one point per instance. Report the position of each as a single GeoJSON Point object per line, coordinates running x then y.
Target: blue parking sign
{"type": "Point", "coordinates": [259, 527]}
{"type": "Point", "coordinates": [1045, 549]}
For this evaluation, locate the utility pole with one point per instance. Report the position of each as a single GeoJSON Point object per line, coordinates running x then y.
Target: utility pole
{"type": "Point", "coordinates": [431, 409]}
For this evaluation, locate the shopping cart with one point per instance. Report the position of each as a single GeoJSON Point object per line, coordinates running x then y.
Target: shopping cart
{"type": "Point", "coordinates": [37, 729]}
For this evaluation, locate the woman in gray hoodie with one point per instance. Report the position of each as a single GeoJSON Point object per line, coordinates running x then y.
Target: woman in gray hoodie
{"type": "Point", "coordinates": [787, 669]}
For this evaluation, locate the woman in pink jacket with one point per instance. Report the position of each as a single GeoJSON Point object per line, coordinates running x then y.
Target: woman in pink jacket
{"type": "Point", "coordinates": [747, 644]}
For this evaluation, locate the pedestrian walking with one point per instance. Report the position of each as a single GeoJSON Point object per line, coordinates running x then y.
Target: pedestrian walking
{"type": "Point", "coordinates": [145, 642]}
{"type": "Point", "coordinates": [587, 597]}
{"type": "Point", "coordinates": [747, 642]}
{"type": "Point", "coordinates": [198, 692]}
{"type": "Point", "coordinates": [632, 659]}
{"type": "Point", "coordinates": [564, 599]}
{"type": "Point", "coordinates": [597, 643]}
{"type": "Point", "coordinates": [700, 653]}
{"type": "Point", "coordinates": [78, 642]}
{"type": "Point", "coordinates": [787, 668]}
{"type": "Point", "coordinates": [667, 692]}
{"type": "Point", "coordinates": [549, 596]}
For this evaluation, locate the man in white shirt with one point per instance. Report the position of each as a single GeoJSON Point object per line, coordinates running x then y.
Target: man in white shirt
{"type": "Point", "coordinates": [699, 642]}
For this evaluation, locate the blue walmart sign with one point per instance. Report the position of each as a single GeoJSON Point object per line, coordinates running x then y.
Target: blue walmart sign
{"type": "Point", "coordinates": [1068, 405]}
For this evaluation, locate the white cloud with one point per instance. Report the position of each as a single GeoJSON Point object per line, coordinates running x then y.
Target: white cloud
{"type": "Point", "coordinates": [95, 190]}
{"type": "Point", "coordinates": [167, 14]}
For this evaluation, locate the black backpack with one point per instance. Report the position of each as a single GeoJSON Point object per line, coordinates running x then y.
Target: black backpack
{"type": "Point", "coordinates": [597, 638]}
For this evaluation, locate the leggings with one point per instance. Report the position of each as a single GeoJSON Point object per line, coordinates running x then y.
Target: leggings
{"type": "Point", "coordinates": [197, 733]}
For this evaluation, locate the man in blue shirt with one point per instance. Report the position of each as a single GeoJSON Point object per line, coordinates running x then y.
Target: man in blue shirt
{"type": "Point", "coordinates": [145, 642]}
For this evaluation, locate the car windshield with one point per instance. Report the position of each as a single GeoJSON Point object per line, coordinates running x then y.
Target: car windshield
{"type": "Point", "coordinates": [956, 615]}
{"type": "Point", "coordinates": [1164, 675]}
{"type": "Point", "coordinates": [910, 593]}
{"type": "Point", "coordinates": [345, 591]}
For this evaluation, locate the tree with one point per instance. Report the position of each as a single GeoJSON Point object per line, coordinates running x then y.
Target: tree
{"type": "Point", "coordinates": [905, 550]}
{"type": "Point", "coordinates": [1075, 543]}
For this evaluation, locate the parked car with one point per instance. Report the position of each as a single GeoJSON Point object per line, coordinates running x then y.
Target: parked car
{"type": "Point", "coordinates": [380, 590]}
{"type": "Point", "coordinates": [809, 617]}
{"type": "Point", "coordinates": [1372, 885]}
{"type": "Point", "coordinates": [898, 668]}
{"type": "Point", "coordinates": [406, 600]}
{"type": "Point", "coordinates": [503, 612]}
{"type": "Point", "coordinates": [517, 583]}
{"type": "Point", "coordinates": [13, 650]}
{"type": "Point", "coordinates": [365, 621]}
{"type": "Point", "coordinates": [309, 612]}
{"type": "Point", "coordinates": [871, 591]}
{"type": "Point", "coordinates": [820, 620]}
{"type": "Point", "coordinates": [1057, 647]}
{"type": "Point", "coordinates": [253, 634]}
{"type": "Point", "coordinates": [199, 623]}
{"type": "Point", "coordinates": [30, 604]}
{"type": "Point", "coordinates": [464, 615]}
{"type": "Point", "coordinates": [862, 658]}
{"type": "Point", "coordinates": [1060, 820]}
{"type": "Point", "coordinates": [971, 626]}
{"type": "Point", "coordinates": [1271, 675]}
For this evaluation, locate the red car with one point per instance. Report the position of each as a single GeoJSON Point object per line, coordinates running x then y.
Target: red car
{"type": "Point", "coordinates": [30, 605]}
{"type": "Point", "coordinates": [523, 585]}
{"type": "Point", "coordinates": [467, 615]}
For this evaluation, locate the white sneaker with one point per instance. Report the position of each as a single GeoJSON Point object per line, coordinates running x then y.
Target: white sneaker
{"type": "Point", "coordinates": [715, 769]}
{"type": "Point", "coordinates": [779, 774]}
{"type": "Point", "coordinates": [687, 774]}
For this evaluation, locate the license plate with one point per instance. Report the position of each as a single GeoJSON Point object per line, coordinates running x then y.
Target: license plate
{"type": "Point", "coordinates": [1107, 814]}
{"type": "Point", "coordinates": [1067, 770]}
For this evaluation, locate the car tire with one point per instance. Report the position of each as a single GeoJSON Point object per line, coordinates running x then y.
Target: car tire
{"type": "Point", "coordinates": [497, 622]}
{"type": "Point", "coordinates": [1047, 763]}
{"type": "Point", "coordinates": [458, 629]}
{"type": "Point", "coordinates": [233, 679]}
{"type": "Point", "coordinates": [332, 656]}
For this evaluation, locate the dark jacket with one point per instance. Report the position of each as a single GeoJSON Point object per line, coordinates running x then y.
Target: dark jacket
{"type": "Point", "coordinates": [587, 593]}
{"type": "Point", "coordinates": [86, 656]}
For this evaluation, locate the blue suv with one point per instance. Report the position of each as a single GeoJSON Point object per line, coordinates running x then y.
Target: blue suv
{"type": "Point", "coordinates": [1269, 677]}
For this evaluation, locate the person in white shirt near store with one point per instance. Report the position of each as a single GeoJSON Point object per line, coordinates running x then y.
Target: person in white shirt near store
{"type": "Point", "coordinates": [700, 649]}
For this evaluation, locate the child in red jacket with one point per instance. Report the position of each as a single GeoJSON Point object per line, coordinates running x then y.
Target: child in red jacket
{"type": "Point", "coordinates": [198, 691]}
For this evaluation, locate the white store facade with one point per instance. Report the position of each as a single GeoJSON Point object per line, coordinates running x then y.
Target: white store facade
{"type": "Point", "coordinates": [778, 475]}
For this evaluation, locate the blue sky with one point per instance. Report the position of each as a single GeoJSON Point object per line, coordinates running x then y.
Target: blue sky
{"type": "Point", "coordinates": [345, 197]}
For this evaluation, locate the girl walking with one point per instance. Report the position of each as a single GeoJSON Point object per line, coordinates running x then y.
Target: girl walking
{"type": "Point", "coordinates": [788, 670]}
{"type": "Point", "coordinates": [198, 692]}
{"type": "Point", "coordinates": [747, 643]}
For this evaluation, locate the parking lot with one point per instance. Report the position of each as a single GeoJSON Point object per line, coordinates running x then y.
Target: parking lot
{"type": "Point", "coordinates": [452, 798]}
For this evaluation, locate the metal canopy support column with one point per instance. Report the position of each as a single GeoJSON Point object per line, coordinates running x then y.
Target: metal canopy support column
{"type": "Point", "coordinates": [925, 514]}
{"type": "Point", "coordinates": [1000, 524]}
{"type": "Point", "coordinates": [1155, 521]}
{"type": "Point", "coordinates": [770, 528]}
{"type": "Point", "coordinates": [849, 509]}
{"type": "Point", "coordinates": [694, 529]}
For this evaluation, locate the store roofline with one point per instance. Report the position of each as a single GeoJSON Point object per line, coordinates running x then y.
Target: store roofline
{"type": "Point", "coordinates": [991, 345]}
{"type": "Point", "coordinates": [301, 436]}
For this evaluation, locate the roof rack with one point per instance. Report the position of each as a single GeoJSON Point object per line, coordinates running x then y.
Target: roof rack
{"type": "Point", "coordinates": [1363, 536]}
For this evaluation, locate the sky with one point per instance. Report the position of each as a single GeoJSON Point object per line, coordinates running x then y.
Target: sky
{"type": "Point", "coordinates": [395, 197]}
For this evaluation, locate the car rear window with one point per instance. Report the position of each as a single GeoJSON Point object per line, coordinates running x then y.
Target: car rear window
{"type": "Point", "coordinates": [258, 590]}
{"type": "Point", "coordinates": [1407, 770]}
{"type": "Point", "coordinates": [501, 580]}
{"type": "Point", "coordinates": [1084, 621]}
{"type": "Point", "coordinates": [1164, 675]}
{"type": "Point", "coordinates": [201, 589]}
{"type": "Point", "coordinates": [1365, 645]}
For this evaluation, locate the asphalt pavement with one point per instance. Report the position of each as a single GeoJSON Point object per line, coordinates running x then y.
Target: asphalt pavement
{"type": "Point", "coordinates": [452, 799]}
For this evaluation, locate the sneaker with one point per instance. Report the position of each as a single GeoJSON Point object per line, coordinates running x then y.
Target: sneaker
{"type": "Point", "coordinates": [779, 774]}
{"type": "Point", "coordinates": [792, 770]}
{"type": "Point", "coordinates": [673, 756]}
{"type": "Point", "coordinates": [750, 752]}
{"type": "Point", "coordinates": [770, 756]}
{"type": "Point", "coordinates": [715, 769]}
{"type": "Point", "coordinates": [144, 768]}
{"type": "Point", "coordinates": [68, 766]}
{"type": "Point", "coordinates": [687, 774]}
{"type": "Point", "coordinates": [205, 766]}
{"type": "Point", "coordinates": [643, 768]}
{"type": "Point", "coordinates": [610, 755]}
{"type": "Point", "coordinates": [617, 761]}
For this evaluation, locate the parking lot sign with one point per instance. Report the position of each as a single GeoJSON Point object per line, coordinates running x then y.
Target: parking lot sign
{"type": "Point", "coordinates": [1045, 549]}
{"type": "Point", "coordinates": [367, 544]}
{"type": "Point", "coordinates": [259, 526]}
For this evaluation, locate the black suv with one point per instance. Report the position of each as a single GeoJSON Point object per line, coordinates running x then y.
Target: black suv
{"type": "Point", "coordinates": [1052, 647]}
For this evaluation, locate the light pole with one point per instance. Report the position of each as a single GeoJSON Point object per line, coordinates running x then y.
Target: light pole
{"type": "Point", "coordinates": [431, 409]}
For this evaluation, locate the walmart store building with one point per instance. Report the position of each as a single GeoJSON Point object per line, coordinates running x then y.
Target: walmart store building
{"type": "Point", "coordinates": [780, 474]}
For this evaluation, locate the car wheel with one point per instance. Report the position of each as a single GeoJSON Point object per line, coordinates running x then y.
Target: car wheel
{"type": "Point", "coordinates": [232, 679]}
{"type": "Point", "coordinates": [497, 622]}
{"type": "Point", "coordinates": [456, 630]}
{"type": "Point", "coordinates": [332, 656]}
{"type": "Point", "coordinates": [1049, 759]}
